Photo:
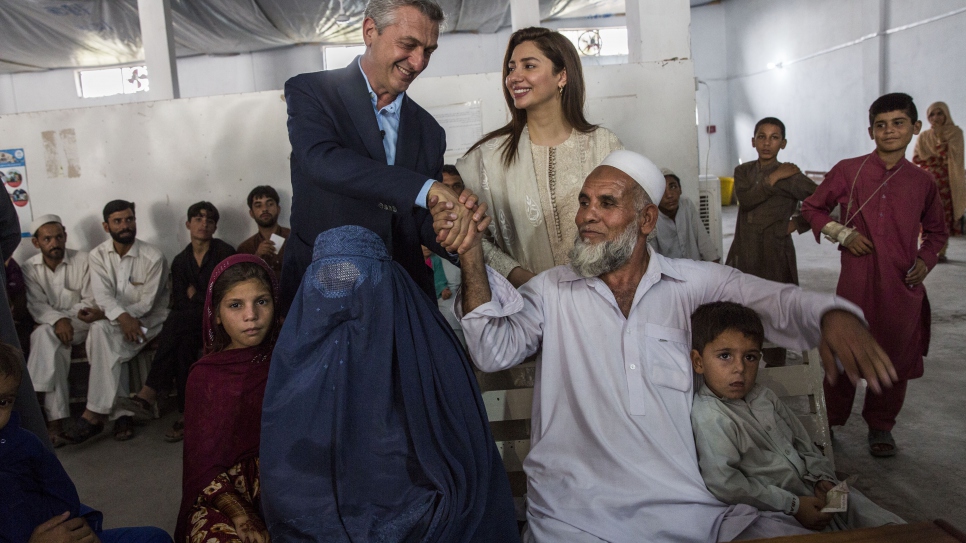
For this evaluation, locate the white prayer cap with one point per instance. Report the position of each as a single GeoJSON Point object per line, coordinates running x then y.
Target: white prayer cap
{"type": "Point", "coordinates": [640, 169]}
{"type": "Point", "coordinates": [42, 220]}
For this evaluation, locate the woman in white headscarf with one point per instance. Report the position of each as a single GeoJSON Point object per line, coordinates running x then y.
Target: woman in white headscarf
{"type": "Point", "coordinates": [531, 170]}
{"type": "Point", "coordinates": [940, 151]}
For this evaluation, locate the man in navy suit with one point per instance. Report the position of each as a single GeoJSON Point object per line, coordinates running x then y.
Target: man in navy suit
{"type": "Point", "coordinates": [364, 153]}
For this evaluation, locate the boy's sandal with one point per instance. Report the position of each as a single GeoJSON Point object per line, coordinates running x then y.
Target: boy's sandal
{"type": "Point", "coordinates": [176, 433]}
{"type": "Point", "coordinates": [881, 443]}
{"type": "Point", "coordinates": [124, 428]}
{"type": "Point", "coordinates": [82, 431]}
{"type": "Point", "coordinates": [142, 409]}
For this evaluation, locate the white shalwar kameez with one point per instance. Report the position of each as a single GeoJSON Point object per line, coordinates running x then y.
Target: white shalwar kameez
{"type": "Point", "coordinates": [612, 452]}
{"type": "Point", "coordinates": [684, 236]}
{"type": "Point", "coordinates": [136, 284]}
{"type": "Point", "coordinates": [53, 295]}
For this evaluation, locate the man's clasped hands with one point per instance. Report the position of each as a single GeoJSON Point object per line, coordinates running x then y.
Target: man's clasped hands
{"type": "Point", "coordinates": [458, 219]}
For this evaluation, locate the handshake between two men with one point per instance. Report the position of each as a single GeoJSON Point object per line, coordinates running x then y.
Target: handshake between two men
{"type": "Point", "coordinates": [458, 219]}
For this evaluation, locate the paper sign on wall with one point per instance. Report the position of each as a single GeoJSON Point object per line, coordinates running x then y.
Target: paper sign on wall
{"type": "Point", "coordinates": [463, 124]}
{"type": "Point", "coordinates": [13, 175]}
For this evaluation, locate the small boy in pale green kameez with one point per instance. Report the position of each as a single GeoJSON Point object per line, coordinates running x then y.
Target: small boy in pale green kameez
{"type": "Point", "coordinates": [751, 447]}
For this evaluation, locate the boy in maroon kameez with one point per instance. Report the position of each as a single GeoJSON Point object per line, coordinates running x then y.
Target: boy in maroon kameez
{"type": "Point", "coordinates": [886, 201]}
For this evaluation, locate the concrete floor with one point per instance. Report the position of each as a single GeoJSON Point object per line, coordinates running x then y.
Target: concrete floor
{"type": "Point", "coordinates": [139, 482]}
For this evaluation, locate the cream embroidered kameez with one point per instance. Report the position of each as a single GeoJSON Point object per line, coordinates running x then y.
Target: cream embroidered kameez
{"type": "Point", "coordinates": [533, 202]}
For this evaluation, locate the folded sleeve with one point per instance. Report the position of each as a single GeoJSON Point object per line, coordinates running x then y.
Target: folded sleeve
{"type": "Point", "coordinates": [504, 331]}
{"type": "Point", "coordinates": [817, 208]}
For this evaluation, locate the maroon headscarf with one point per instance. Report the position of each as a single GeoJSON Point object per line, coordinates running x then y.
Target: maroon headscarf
{"type": "Point", "coordinates": [223, 400]}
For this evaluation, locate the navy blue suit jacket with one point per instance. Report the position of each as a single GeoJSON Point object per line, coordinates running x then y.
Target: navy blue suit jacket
{"type": "Point", "coordinates": [340, 175]}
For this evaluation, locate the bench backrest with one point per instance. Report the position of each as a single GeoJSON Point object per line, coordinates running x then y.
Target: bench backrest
{"type": "Point", "coordinates": [804, 381]}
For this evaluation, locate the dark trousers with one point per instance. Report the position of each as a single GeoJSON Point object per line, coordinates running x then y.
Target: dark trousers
{"type": "Point", "coordinates": [879, 411]}
{"type": "Point", "coordinates": [179, 345]}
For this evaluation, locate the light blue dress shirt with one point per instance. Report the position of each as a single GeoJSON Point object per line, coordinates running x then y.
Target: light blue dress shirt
{"type": "Point", "coordinates": [388, 119]}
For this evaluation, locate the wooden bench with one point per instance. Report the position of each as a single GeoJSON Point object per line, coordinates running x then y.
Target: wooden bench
{"type": "Point", "coordinates": [793, 383]}
{"type": "Point", "coordinates": [938, 531]}
{"type": "Point", "coordinates": [508, 397]}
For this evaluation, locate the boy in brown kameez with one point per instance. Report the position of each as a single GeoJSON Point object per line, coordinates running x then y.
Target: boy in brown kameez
{"type": "Point", "coordinates": [768, 195]}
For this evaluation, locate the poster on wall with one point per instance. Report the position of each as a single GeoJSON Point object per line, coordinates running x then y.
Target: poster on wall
{"type": "Point", "coordinates": [463, 124]}
{"type": "Point", "coordinates": [13, 175]}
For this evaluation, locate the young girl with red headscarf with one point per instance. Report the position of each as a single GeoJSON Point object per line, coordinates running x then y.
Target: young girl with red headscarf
{"type": "Point", "coordinates": [223, 406]}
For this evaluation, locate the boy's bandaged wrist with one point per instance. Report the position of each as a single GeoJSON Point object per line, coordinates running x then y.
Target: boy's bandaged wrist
{"type": "Point", "coordinates": [839, 233]}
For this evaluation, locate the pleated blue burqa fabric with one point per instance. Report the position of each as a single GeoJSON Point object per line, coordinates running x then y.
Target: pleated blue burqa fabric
{"type": "Point", "coordinates": [373, 428]}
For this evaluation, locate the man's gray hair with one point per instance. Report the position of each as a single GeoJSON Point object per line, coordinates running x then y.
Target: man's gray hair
{"type": "Point", "coordinates": [641, 198]}
{"type": "Point", "coordinates": [383, 12]}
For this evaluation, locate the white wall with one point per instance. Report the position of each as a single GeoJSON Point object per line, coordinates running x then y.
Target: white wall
{"type": "Point", "coordinates": [824, 100]}
{"type": "Point", "coordinates": [163, 156]}
{"type": "Point", "coordinates": [709, 46]}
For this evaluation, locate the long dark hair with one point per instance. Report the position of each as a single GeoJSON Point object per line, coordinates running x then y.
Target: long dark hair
{"type": "Point", "coordinates": [243, 271]}
{"type": "Point", "coordinates": [564, 56]}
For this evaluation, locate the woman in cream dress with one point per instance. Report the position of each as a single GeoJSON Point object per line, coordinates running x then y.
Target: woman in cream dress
{"type": "Point", "coordinates": [531, 170]}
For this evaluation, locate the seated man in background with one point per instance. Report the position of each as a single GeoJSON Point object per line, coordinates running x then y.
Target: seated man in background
{"type": "Point", "coordinates": [60, 299]}
{"type": "Point", "coordinates": [263, 207]}
{"type": "Point", "coordinates": [129, 280]}
{"type": "Point", "coordinates": [680, 232]}
{"type": "Point", "coordinates": [613, 455]}
{"type": "Point", "coordinates": [179, 344]}
{"type": "Point", "coordinates": [40, 503]}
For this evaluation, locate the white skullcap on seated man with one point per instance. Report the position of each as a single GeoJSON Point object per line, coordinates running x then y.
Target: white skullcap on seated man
{"type": "Point", "coordinates": [612, 453]}
{"type": "Point", "coordinates": [61, 301]}
{"type": "Point", "coordinates": [639, 168]}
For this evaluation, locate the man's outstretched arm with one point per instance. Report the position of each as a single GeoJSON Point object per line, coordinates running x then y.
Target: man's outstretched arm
{"type": "Point", "coordinates": [476, 287]}
{"type": "Point", "coordinates": [502, 325]}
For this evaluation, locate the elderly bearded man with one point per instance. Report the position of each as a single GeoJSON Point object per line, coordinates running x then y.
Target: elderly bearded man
{"type": "Point", "coordinates": [613, 454]}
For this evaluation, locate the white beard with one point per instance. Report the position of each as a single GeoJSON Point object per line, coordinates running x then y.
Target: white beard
{"type": "Point", "coordinates": [595, 259]}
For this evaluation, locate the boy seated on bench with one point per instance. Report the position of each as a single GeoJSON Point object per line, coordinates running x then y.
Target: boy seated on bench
{"type": "Point", "coordinates": [752, 449]}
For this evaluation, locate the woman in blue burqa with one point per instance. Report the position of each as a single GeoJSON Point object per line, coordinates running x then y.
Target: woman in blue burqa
{"type": "Point", "coordinates": [373, 428]}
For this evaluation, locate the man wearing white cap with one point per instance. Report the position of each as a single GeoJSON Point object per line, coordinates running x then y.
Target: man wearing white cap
{"type": "Point", "coordinates": [612, 453]}
{"type": "Point", "coordinates": [60, 299]}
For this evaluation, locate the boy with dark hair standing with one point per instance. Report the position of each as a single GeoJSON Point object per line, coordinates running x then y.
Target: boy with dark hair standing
{"type": "Point", "coordinates": [886, 202]}
{"type": "Point", "coordinates": [180, 342]}
{"type": "Point", "coordinates": [263, 207]}
{"type": "Point", "coordinates": [752, 449]}
{"type": "Point", "coordinates": [768, 194]}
